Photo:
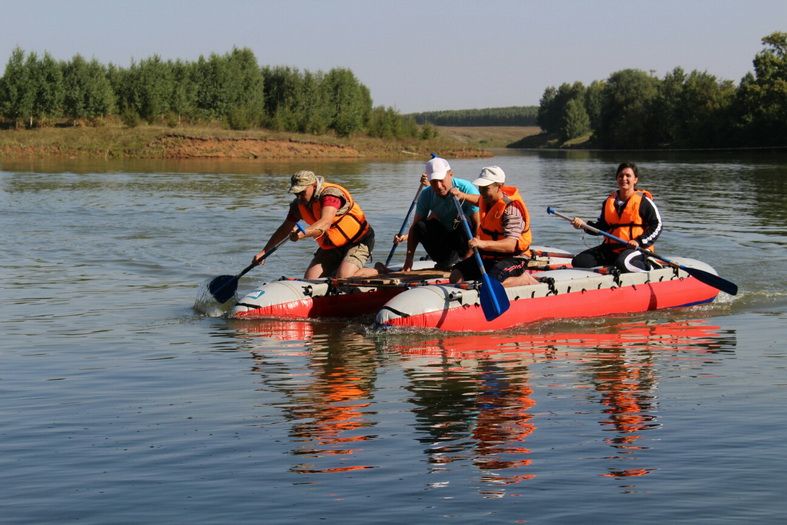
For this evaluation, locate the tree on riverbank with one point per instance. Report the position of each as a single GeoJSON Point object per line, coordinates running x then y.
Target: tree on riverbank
{"type": "Point", "coordinates": [762, 97]}
{"type": "Point", "coordinates": [88, 93]}
{"type": "Point", "coordinates": [634, 109]}
{"type": "Point", "coordinates": [229, 88]}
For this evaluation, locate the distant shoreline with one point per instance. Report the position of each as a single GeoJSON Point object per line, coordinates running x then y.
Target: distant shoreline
{"type": "Point", "coordinates": [116, 142]}
{"type": "Point", "coordinates": [160, 142]}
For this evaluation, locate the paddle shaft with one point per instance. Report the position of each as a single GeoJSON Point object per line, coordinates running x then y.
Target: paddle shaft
{"type": "Point", "coordinates": [404, 223]}
{"type": "Point", "coordinates": [234, 280]}
{"type": "Point", "coordinates": [469, 234]}
{"type": "Point", "coordinates": [267, 254]}
{"type": "Point", "coordinates": [708, 278]}
{"type": "Point", "coordinates": [615, 238]}
{"type": "Point", "coordinates": [494, 300]}
{"type": "Point", "coordinates": [270, 252]}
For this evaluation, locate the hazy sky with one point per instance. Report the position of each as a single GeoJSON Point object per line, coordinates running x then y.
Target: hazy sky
{"type": "Point", "coordinates": [414, 55]}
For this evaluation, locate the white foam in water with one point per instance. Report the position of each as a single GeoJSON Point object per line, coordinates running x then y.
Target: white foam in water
{"type": "Point", "coordinates": [206, 304]}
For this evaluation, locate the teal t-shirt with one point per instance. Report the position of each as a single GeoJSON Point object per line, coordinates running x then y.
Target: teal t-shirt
{"type": "Point", "coordinates": [443, 208]}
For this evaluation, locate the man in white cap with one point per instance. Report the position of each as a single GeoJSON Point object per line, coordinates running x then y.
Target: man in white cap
{"type": "Point", "coordinates": [336, 222]}
{"type": "Point", "coordinates": [503, 237]}
{"type": "Point", "coordinates": [436, 225]}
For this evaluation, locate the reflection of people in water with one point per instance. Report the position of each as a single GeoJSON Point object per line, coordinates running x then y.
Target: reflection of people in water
{"type": "Point", "coordinates": [503, 424]}
{"type": "Point", "coordinates": [623, 372]}
{"type": "Point", "coordinates": [627, 386]}
{"type": "Point", "coordinates": [326, 399]}
{"type": "Point", "coordinates": [468, 404]}
{"type": "Point", "coordinates": [470, 395]}
{"type": "Point", "coordinates": [444, 406]}
{"type": "Point", "coordinates": [329, 415]}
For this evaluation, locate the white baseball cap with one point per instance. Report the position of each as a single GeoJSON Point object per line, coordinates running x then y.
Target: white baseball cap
{"type": "Point", "coordinates": [437, 168]}
{"type": "Point", "coordinates": [490, 175]}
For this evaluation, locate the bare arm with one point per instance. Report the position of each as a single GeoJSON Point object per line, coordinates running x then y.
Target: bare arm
{"type": "Point", "coordinates": [472, 199]}
{"type": "Point", "coordinates": [412, 244]}
{"type": "Point", "coordinates": [281, 232]}
{"type": "Point", "coordinates": [507, 245]}
{"type": "Point", "coordinates": [475, 218]}
{"type": "Point", "coordinates": [327, 216]}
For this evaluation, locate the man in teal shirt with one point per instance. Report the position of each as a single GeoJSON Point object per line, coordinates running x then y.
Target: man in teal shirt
{"type": "Point", "coordinates": [436, 225]}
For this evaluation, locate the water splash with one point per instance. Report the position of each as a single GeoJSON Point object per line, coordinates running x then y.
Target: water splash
{"type": "Point", "coordinates": [207, 305]}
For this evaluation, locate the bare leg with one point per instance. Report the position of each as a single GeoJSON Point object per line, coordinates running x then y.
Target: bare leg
{"type": "Point", "coordinates": [456, 276]}
{"type": "Point", "coordinates": [348, 269]}
{"type": "Point", "coordinates": [367, 272]}
{"type": "Point", "coordinates": [520, 280]}
{"type": "Point", "coordinates": [381, 268]}
{"type": "Point", "coordinates": [314, 271]}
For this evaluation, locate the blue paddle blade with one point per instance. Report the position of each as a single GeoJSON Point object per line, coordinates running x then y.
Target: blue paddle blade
{"type": "Point", "coordinates": [494, 301]}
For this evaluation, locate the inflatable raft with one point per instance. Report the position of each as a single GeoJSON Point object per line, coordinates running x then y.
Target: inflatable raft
{"type": "Point", "coordinates": [423, 298]}
{"type": "Point", "coordinates": [323, 298]}
{"type": "Point", "coordinates": [290, 298]}
{"type": "Point", "coordinates": [563, 293]}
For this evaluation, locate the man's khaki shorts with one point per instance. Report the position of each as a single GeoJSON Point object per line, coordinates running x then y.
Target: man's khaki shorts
{"type": "Point", "coordinates": [357, 255]}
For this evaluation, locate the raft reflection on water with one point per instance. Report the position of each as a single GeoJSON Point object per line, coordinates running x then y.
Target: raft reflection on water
{"type": "Point", "coordinates": [472, 396]}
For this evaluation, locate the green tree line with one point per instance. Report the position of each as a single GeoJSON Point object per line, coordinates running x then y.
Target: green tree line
{"type": "Point", "coordinates": [507, 116]}
{"type": "Point", "coordinates": [634, 109]}
{"type": "Point", "coordinates": [230, 88]}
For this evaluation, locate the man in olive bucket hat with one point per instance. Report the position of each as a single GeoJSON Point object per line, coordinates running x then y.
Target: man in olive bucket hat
{"type": "Point", "coordinates": [335, 221]}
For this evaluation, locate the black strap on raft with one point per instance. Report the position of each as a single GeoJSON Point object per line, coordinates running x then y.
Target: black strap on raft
{"type": "Point", "coordinates": [333, 289]}
{"type": "Point", "coordinates": [394, 310]}
{"type": "Point", "coordinates": [550, 282]}
{"type": "Point", "coordinates": [615, 272]}
{"type": "Point", "coordinates": [250, 306]}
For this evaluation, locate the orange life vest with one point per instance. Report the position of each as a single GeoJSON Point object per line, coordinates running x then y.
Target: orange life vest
{"type": "Point", "coordinates": [347, 228]}
{"type": "Point", "coordinates": [491, 227]}
{"type": "Point", "coordinates": [628, 224]}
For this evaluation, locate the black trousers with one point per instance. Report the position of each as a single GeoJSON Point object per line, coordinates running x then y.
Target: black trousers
{"type": "Point", "coordinates": [444, 246]}
{"type": "Point", "coordinates": [626, 261]}
{"type": "Point", "coordinates": [500, 268]}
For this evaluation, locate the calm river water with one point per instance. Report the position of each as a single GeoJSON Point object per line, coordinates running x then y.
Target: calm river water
{"type": "Point", "coordinates": [120, 404]}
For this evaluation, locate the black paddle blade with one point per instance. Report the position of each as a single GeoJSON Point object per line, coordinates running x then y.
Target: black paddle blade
{"type": "Point", "coordinates": [494, 301]}
{"type": "Point", "coordinates": [712, 280]}
{"type": "Point", "coordinates": [223, 287]}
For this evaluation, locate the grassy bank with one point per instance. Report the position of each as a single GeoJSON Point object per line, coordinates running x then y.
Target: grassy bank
{"type": "Point", "coordinates": [487, 136]}
{"type": "Point", "coordinates": [114, 141]}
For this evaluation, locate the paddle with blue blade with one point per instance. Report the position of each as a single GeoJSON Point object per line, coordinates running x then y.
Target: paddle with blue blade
{"type": "Point", "coordinates": [404, 224]}
{"type": "Point", "coordinates": [494, 301]}
{"type": "Point", "coordinates": [223, 287]}
{"type": "Point", "coordinates": [701, 275]}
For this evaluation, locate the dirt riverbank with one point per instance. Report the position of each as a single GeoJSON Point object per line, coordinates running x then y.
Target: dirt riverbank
{"type": "Point", "coordinates": [153, 142]}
